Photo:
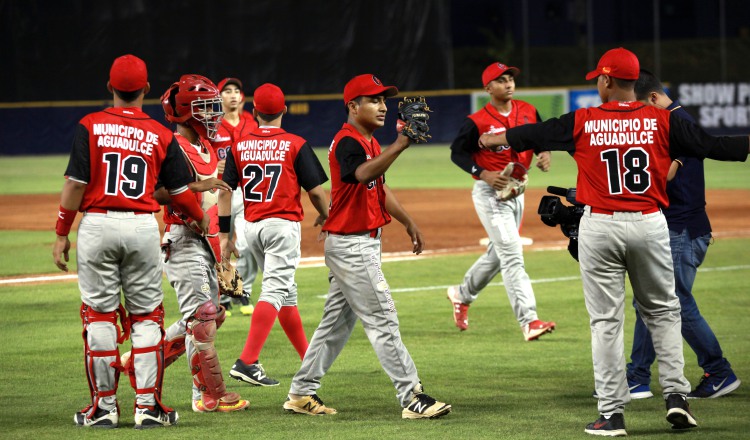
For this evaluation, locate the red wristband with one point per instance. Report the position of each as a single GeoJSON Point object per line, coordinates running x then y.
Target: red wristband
{"type": "Point", "coordinates": [188, 205]}
{"type": "Point", "coordinates": [65, 218]}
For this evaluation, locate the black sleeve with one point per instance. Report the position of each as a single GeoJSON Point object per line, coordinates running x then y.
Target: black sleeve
{"type": "Point", "coordinates": [538, 117]}
{"type": "Point", "coordinates": [175, 172]}
{"type": "Point", "coordinates": [688, 139]}
{"type": "Point", "coordinates": [350, 155]}
{"type": "Point", "coordinates": [309, 171]}
{"type": "Point", "coordinates": [79, 166]}
{"type": "Point", "coordinates": [465, 144]}
{"type": "Point", "coordinates": [231, 176]}
{"type": "Point", "coordinates": [552, 134]}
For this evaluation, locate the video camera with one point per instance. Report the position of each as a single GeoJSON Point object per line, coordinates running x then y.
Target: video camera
{"type": "Point", "coordinates": [554, 212]}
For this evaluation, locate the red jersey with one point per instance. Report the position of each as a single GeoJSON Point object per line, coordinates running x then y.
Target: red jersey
{"type": "Point", "coordinates": [201, 161]}
{"type": "Point", "coordinates": [622, 151]}
{"type": "Point", "coordinates": [355, 207]}
{"type": "Point", "coordinates": [488, 120]}
{"type": "Point", "coordinates": [121, 153]}
{"type": "Point", "coordinates": [270, 165]}
{"type": "Point", "coordinates": [229, 134]}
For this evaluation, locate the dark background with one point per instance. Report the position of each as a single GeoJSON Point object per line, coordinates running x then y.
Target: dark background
{"type": "Point", "coordinates": [62, 50]}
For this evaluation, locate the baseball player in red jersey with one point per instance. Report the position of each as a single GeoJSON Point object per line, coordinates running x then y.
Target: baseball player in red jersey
{"type": "Point", "coordinates": [268, 167]}
{"type": "Point", "coordinates": [117, 156]}
{"type": "Point", "coordinates": [193, 103]}
{"type": "Point", "coordinates": [236, 124]}
{"type": "Point", "coordinates": [500, 218]}
{"type": "Point", "coordinates": [624, 149]}
{"type": "Point", "coordinates": [361, 204]}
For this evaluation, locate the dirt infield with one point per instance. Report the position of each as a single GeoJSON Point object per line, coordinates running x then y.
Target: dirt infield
{"type": "Point", "coordinates": [446, 218]}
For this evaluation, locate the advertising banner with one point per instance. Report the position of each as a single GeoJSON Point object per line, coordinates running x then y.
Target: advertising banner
{"type": "Point", "coordinates": [720, 108]}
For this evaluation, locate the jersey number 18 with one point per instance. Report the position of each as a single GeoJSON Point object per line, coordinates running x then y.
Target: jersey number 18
{"type": "Point", "coordinates": [629, 170]}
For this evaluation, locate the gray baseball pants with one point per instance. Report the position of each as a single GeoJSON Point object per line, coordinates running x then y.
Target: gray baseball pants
{"type": "Point", "coordinates": [637, 244]}
{"type": "Point", "coordinates": [358, 290]}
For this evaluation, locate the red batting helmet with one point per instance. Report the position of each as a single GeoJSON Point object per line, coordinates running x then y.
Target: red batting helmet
{"type": "Point", "coordinates": [194, 99]}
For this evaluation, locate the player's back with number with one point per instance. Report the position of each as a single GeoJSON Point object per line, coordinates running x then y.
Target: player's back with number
{"type": "Point", "coordinates": [266, 162]}
{"type": "Point", "coordinates": [622, 151]}
{"type": "Point", "coordinates": [119, 153]}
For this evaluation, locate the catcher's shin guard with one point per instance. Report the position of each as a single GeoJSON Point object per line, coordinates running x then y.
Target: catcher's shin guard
{"type": "Point", "coordinates": [173, 349]}
{"type": "Point", "coordinates": [101, 334]}
{"type": "Point", "coordinates": [205, 360]}
{"type": "Point", "coordinates": [147, 335]}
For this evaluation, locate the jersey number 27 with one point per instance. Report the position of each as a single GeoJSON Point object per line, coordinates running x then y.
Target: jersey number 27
{"type": "Point", "coordinates": [255, 175]}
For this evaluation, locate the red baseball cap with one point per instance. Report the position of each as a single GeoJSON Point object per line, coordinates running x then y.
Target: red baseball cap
{"type": "Point", "coordinates": [128, 74]}
{"type": "Point", "coordinates": [269, 99]}
{"type": "Point", "coordinates": [495, 71]}
{"type": "Point", "coordinates": [367, 85]}
{"type": "Point", "coordinates": [617, 63]}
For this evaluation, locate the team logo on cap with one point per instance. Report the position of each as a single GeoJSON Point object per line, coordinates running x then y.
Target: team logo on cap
{"type": "Point", "coordinates": [606, 70]}
{"type": "Point", "coordinates": [502, 66]}
{"type": "Point", "coordinates": [376, 80]}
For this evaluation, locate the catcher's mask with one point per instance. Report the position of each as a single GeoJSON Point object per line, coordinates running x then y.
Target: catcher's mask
{"type": "Point", "coordinates": [196, 100]}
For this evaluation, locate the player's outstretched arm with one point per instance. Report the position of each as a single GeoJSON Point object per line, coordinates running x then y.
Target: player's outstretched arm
{"type": "Point", "coordinates": [209, 184]}
{"type": "Point", "coordinates": [492, 142]}
{"type": "Point", "coordinates": [399, 213]}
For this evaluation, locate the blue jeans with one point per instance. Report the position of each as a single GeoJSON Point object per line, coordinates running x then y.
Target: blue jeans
{"type": "Point", "coordinates": [687, 255]}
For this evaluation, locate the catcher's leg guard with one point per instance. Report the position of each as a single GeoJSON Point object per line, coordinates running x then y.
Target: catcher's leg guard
{"type": "Point", "coordinates": [173, 349]}
{"type": "Point", "coordinates": [101, 334]}
{"type": "Point", "coordinates": [148, 357]}
{"type": "Point", "coordinates": [205, 361]}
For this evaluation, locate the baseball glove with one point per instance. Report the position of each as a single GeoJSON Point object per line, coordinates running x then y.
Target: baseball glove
{"type": "Point", "coordinates": [518, 179]}
{"type": "Point", "coordinates": [412, 119]}
{"type": "Point", "coordinates": [230, 281]}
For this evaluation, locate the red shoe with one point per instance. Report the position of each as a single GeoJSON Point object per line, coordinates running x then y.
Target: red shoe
{"type": "Point", "coordinates": [535, 329]}
{"type": "Point", "coordinates": [460, 310]}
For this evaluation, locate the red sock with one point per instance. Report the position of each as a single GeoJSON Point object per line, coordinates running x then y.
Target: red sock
{"type": "Point", "coordinates": [264, 316]}
{"type": "Point", "coordinates": [292, 324]}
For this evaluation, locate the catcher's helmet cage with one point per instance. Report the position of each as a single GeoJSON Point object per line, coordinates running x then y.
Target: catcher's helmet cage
{"type": "Point", "coordinates": [196, 100]}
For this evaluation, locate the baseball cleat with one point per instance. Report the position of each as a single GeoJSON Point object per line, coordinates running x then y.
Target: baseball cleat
{"type": "Point", "coordinates": [254, 374]}
{"type": "Point", "coordinates": [237, 405]}
{"type": "Point", "coordinates": [712, 386]}
{"type": "Point", "coordinates": [535, 329]}
{"type": "Point", "coordinates": [423, 406]}
{"type": "Point", "coordinates": [614, 426]}
{"type": "Point", "coordinates": [460, 310]}
{"type": "Point", "coordinates": [100, 419]}
{"type": "Point", "coordinates": [147, 417]}
{"type": "Point", "coordinates": [678, 412]}
{"type": "Point", "coordinates": [310, 405]}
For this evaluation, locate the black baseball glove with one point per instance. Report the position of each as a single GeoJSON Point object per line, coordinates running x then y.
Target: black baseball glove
{"type": "Point", "coordinates": [413, 117]}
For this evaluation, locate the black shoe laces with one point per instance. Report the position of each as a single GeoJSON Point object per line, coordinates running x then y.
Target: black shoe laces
{"type": "Point", "coordinates": [424, 398]}
{"type": "Point", "coordinates": [317, 399]}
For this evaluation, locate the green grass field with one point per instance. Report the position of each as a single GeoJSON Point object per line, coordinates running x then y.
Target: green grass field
{"type": "Point", "coordinates": [499, 385]}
